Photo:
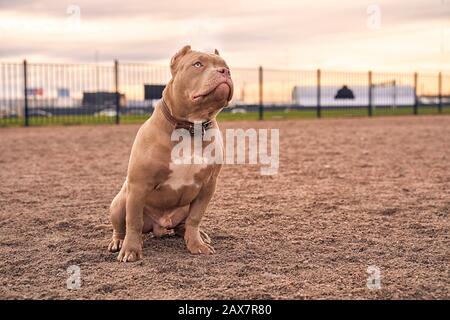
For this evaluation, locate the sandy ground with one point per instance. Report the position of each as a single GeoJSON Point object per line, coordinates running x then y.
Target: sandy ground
{"type": "Point", "coordinates": [350, 193]}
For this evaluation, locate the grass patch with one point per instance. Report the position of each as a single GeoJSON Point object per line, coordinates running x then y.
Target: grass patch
{"type": "Point", "coordinates": [224, 116]}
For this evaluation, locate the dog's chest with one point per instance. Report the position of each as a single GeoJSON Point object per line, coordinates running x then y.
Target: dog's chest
{"type": "Point", "coordinates": [188, 173]}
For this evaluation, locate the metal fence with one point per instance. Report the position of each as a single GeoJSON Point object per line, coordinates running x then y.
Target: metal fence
{"type": "Point", "coordinates": [40, 94]}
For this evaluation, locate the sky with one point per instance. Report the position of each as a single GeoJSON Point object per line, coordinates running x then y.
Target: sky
{"type": "Point", "coordinates": [391, 35]}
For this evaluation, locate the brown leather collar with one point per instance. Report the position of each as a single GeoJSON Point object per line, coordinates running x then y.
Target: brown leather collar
{"type": "Point", "coordinates": [182, 124]}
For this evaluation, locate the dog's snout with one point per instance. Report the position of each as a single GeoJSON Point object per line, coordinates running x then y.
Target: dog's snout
{"type": "Point", "coordinates": [224, 71]}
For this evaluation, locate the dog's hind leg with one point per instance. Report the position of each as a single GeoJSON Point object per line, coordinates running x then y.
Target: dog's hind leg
{"type": "Point", "coordinates": [117, 216]}
{"type": "Point", "coordinates": [181, 229]}
{"type": "Point", "coordinates": [179, 219]}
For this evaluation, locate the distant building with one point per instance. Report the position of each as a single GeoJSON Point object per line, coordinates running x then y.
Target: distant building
{"type": "Point", "coordinates": [153, 91]}
{"type": "Point", "coordinates": [390, 95]}
{"type": "Point", "coordinates": [102, 99]}
{"type": "Point", "coordinates": [344, 93]}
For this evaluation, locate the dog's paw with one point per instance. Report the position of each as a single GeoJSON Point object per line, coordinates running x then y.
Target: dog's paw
{"type": "Point", "coordinates": [129, 255]}
{"type": "Point", "coordinates": [200, 247]}
{"type": "Point", "coordinates": [180, 230]}
{"type": "Point", "coordinates": [115, 245]}
{"type": "Point", "coordinates": [131, 251]}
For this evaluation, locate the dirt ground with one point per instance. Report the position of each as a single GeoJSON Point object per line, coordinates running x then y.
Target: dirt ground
{"type": "Point", "coordinates": [350, 193]}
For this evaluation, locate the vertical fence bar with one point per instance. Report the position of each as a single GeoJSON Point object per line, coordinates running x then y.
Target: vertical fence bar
{"type": "Point", "coordinates": [25, 92]}
{"type": "Point", "coordinates": [261, 96]}
{"type": "Point", "coordinates": [319, 108]}
{"type": "Point", "coordinates": [370, 103]}
{"type": "Point", "coordinates": [440, 92]}
{"type": "Point", "coordinates": [416, 100]}
{"type": "Point", "coordinates": [116, 83]}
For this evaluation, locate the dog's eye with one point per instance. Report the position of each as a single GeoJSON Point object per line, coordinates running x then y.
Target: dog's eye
{"type": "Point", "coordinates": [198, 64]}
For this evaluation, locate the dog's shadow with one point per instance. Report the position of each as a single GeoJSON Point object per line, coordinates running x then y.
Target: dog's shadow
{"type": "Point", "coordinates": [175, 244]}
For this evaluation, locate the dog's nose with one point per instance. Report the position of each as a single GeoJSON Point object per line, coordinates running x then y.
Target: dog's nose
{"type": "Point", "coordinates": [224, 71]}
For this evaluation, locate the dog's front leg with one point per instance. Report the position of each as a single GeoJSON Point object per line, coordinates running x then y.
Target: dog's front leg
{"type": "Point", "coordinates": [132, 245]}
{"type": "Point", "coordinates": [192, 236]}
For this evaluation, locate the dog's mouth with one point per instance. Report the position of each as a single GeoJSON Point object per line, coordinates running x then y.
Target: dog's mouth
{"type": "Point", "coordinates": [223, 87]}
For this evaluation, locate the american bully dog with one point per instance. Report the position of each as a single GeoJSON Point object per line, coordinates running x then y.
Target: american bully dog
{"type": "Point", "coordinates": [159, 195]}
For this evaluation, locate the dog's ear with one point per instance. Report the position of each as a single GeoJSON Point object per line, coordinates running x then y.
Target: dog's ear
{"type": "Point", "coordinates": [176, 58]}
{"type": "Point", "coordinates": [216, 52]}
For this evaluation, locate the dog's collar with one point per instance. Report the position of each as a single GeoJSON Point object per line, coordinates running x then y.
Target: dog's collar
{"type": "Point", "coordinates": [182, 124]}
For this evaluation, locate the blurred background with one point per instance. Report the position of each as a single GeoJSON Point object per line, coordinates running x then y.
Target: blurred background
{"type": "Point", "coordinates": [66, 62]}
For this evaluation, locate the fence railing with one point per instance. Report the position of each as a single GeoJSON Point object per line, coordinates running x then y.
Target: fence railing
{"type": "Point", "coordinates": [40, 94]}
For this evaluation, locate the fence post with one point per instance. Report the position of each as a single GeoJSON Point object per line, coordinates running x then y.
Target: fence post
{"type": "Point", "coordinates": [416, 100]}
{"type": "Point", "coordinates": [369, 105]}
{"type": "Point", "coordinates": [440, 92]}
{"type": "Point", "coordinates": [25, 92]}
{"type": "Point", "coordinates": [116, 82]}
{"type": "Point", "coordinates": [319, 111]}
{"type": "Point", "coordinates": [261, 96]}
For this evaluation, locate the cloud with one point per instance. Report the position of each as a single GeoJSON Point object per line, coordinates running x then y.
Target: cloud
{"type": "Point", "coordinates": [316, 33]}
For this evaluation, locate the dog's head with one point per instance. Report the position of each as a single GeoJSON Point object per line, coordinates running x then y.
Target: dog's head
{"type": "Point", "coordinates": [201, 85]}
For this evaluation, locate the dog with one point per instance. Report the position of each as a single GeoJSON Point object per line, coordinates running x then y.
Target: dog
{"type": "Point", "coordinates": [159, 196]}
